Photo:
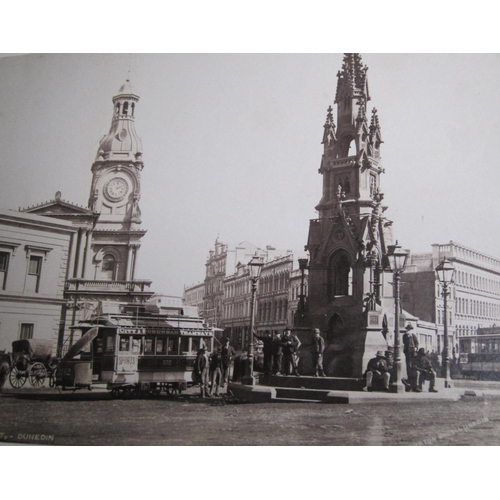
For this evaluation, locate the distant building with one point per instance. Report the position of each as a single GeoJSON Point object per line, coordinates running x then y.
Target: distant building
{"type": "Point", "coordinates": [35, 259]}
{"type": "Point", "coordinates": [236, 306]}
{"type": "Point", "coordinates": [474, 300]}
{"type": "Point", "coordinates": [194, 296]}
{"type": "Point", "coordinates": [294, 294]}
{"type": "Point", "coordinates": [273, 294]}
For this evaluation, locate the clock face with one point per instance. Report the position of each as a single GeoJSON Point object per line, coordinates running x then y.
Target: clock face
{"type": "Point", "coordinates": [116, 189]}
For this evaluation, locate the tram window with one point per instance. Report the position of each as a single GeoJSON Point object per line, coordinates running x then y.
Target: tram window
{"type": "Point", "coordinates": [110, 343]}
{"type": "Point", "coordinates": [161, 346]}
{"type": "Point", "coordinates": [195, 345]}
{"type": "Point", "coordinates": [149, 347]}
{"type": "Point", "coordinates": [173, 345]}
{"type": "Point", "coordinates": [99, 346]}
{"type": "Point", "coordinates": [185, 345]}
{"type": "Point", "coordinates": [209, 344]}
{"type": "Point", "coordinates": [124, 344]}
{"type": "Point", "coordinates": [136, 345]}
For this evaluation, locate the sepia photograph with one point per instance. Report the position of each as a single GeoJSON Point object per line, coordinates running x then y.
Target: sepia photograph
{"type": "Point", "coordinates": [302, 238]}
{"type": "Point", "coordinates": [213, 250]}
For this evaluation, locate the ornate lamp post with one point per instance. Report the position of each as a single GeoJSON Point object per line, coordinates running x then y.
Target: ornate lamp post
{"type": "Point", "coordinates": [255, 267]}
{"type": "Point", "coordinates": [397, 260]}
{"type": "Point", "coordinates": [445, 273]}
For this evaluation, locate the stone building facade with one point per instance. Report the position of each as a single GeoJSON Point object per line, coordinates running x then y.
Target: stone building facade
{"type": "Point", "coordinates": [474, 299]}
{"type": "Point", "coordinates": [35, 258]}
{"type": "Point", "coordinates": [294, 293]}
{"type": "Point", "coordinates": [273, 294]}
{"type": "Point", "coordinates": [105, 251]}
{"type": "Point", "coordinates": [194, 296]}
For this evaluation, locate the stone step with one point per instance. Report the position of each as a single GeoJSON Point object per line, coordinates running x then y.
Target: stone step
{"type": "Point", "coordinates": [290, 400]}
{"type": "Point", "coordinates": [291, 392]}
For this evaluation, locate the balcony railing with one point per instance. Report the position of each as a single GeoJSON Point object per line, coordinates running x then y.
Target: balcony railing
{"type": "Point", "coordinates": [82, 285]}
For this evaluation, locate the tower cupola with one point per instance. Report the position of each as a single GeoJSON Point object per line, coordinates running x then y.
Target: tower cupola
{"type": "Point", "coordinates": [122, 141]}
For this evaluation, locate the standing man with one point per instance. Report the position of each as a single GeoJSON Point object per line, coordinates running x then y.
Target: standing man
{"type": "Point", "coordinates": [227, 355]}
{"type": "Point", "coordinates": [289, 346]}
{"type": "Point", "coordinates": [216, 372]}
{"type": "Point", "coordinates": [201, 367]}
{"type": "Point", "coordinates": [410, 343]}
{"type": "Point", "coordinates": [317, 348]}
{"type": "Point", "coordinates": [267, 340]}
{"type": "Point", "coordinates": [277, 353]}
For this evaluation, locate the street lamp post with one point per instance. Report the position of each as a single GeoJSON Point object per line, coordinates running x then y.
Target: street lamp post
{"type": "Point", "coordinates": [254, 267]}
{"type": "Point", "coordinates": [445, 273]}
{"type": "Point", "coordinates": [397, 259]}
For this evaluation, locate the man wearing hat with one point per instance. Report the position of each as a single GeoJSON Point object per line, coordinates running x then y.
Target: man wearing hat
{"type": "Point", "coordinates": [410, 347]}
{"type": "Point", "coordinates": [201, 368]}
{"type": "Point", "coordinates": [424, 368]}
{"type": "Point", "coordinates": [289, 345]}
{"type": "Point", "coordinates": [377, 369]}
{"type": "Point", "coordinates": [317, 348]}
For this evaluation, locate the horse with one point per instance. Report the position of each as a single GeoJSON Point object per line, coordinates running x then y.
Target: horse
{"type": "Point", "coordinates": [5, 361]}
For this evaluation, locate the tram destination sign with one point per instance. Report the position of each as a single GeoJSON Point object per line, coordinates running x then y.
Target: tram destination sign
{"type": "Point", "coordinates": [182, 333]}
{"type": "Point", "coordinates": [127, 330]}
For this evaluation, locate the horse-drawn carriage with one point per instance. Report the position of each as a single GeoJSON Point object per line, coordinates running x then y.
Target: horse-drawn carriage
{"type": "Point", "coordinates": [32, 359]}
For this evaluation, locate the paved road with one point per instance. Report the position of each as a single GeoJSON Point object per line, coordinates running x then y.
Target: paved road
{"type": "Point", "coordinates": [96, 419]}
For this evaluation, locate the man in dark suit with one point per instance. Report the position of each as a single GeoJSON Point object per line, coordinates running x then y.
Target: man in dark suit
{"type": "Point", "coordinates": [378, 369]}
{"type": "Point", "coordinates": [201, 367]}
{"type": "Point", "coordinates": [410, 343]}
{"type": "Point", "coordinates": [289, 345]}
{"type": "Point", "coordinates": [227, 355]}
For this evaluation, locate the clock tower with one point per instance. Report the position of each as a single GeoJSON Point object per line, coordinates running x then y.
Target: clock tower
{"type": "Point", "coordinates": [115, 193]}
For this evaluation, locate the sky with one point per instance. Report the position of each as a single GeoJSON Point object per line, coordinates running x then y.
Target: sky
{"type": "Point", "coordinates": [232, 145]}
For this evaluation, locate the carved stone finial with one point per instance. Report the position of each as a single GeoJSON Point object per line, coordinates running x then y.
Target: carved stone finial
{"type": "Point", "coordinates": [58, 196]}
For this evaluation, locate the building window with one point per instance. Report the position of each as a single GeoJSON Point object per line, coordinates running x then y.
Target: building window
{"type": "Point", "coordinates": [34, 270]}
{"type": "Point", "coordinates": [4, 267]}
{"type": "Point", "coordinates": [108, 267]}
{"type": "Point", "coordinates": [26, 331]}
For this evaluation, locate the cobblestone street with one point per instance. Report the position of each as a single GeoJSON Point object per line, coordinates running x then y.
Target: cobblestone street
{"type": "Point", "coordinates": [96, 419]}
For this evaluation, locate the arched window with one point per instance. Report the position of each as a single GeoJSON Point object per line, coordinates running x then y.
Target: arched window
{"type": "Point", "coordinates": [125, 108]}
{"type": "Point", "coordinates": [108, 267]}
{"type": "Point", "coordinates": [339, 276]}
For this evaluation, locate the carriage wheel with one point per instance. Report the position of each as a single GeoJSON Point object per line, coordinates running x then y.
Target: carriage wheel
{"type": "Point", "coordinates": [17, 378]}
{"type": "Point", "coordinates": [38, 374]}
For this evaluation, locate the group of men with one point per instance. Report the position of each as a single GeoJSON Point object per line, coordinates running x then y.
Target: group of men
{"type": "Point", "coordinates": [281, 352]}
{"type": "Point", "coordinates": [212, 372]}
{"type": "Point", "coordinates": [418, 367]}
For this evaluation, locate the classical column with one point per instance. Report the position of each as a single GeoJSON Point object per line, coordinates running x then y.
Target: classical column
{"type": "Point", "coordinates": [87, 263]}
{"type": "Point", "coordinates": [81, 251]}
{"type": "Point", "coordinates": [70, 271]}
{"type": "Point", "coordinates": [129, 262]}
